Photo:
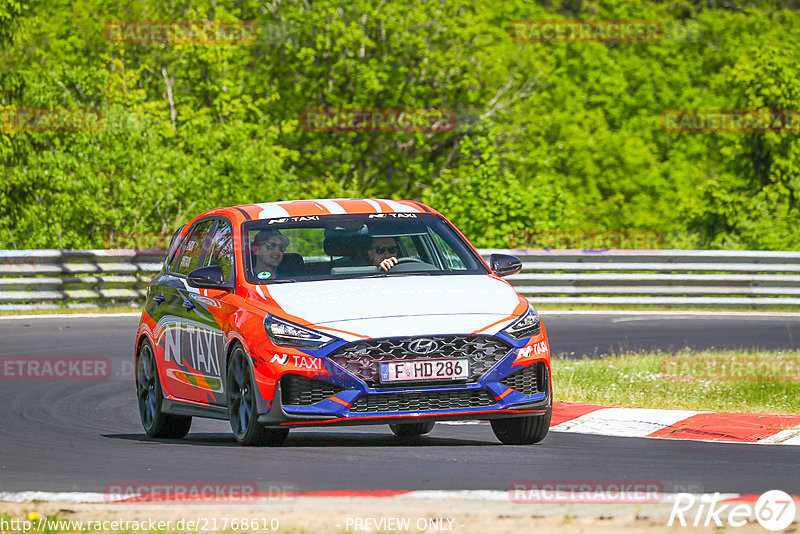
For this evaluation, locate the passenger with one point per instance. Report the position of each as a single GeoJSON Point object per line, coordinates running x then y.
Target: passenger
{"type": "Point", "coordinates": [382, 252]}
{"type": "Point", "coordinates": [268, 247]}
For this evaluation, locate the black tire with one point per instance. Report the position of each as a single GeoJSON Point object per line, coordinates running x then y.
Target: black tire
{"type": "Point", "coordinates": [412, 429]}
{"type": "Point", "coordinates": [241, 405]}
{"type": "Point", "coordinates": [156, 423]}
{"type": "Point", "coordinates": [522, 430]}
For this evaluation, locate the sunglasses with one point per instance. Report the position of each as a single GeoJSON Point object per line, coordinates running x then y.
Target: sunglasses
{"type": "Point", "coordinates": [272, 246]}
{"type": "Point", "coordinates": [383, 250]}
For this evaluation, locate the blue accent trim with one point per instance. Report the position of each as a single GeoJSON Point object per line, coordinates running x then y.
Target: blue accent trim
{"type": "Point", "coordinates": [355, 387]}
{"type": "Point", "coordinates": [516, 343]}
{"type": "Point", "coordinates": [495, 389]}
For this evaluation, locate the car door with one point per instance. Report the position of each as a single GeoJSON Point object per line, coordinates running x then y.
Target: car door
{"type": "Point", "coordinates": [163, 305]}
{"type": "Point", "coordinates": [204, 322]}
{"type": "Point", "coordinates": [179, 373]}
{"type": "Point", "coordinates": [162, 302]}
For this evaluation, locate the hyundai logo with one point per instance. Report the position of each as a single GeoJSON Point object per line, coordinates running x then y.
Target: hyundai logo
{"type": "Point", "coordinates": [423, 346]}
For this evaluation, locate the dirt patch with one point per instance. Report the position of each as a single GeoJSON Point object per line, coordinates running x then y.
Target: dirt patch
{"type": "Point", "coordinates": [336, 515]}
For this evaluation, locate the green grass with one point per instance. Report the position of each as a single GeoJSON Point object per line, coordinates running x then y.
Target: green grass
{"type": "Point", "coordinates": [745, 381]}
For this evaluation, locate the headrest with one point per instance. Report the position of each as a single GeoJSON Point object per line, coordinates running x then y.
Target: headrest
{"type": "Point", "coordinates": [346, 245]}
{"type": "Point", "coordinates": [291, 264]}
{"type": "Point", "coordinates": [291, 259]}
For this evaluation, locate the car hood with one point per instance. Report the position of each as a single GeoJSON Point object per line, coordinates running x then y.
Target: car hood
{"type": "Point", "coordinates": [401, 305]}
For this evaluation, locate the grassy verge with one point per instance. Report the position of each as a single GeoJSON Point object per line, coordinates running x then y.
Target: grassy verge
{"type": "Point", "coordinates": [304, 516]}
{"type": "Point", "coordinates": [744, 381]}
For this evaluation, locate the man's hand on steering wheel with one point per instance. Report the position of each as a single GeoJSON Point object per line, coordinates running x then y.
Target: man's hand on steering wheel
{"type": "Point", "coordinates": [388, 263]}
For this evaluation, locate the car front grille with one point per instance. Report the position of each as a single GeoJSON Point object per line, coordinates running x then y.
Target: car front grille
{"type": "Point", "coordinates": [412, 402]}
{"type": "Point", "coordinates": [299, 390]}
{"type": "Point", "coordinates": [363, 358]}
{"type": "Point", "coordinates": [526, 380]}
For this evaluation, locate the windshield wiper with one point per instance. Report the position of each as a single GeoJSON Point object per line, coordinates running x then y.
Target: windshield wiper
{"type": "Point", "coordinates": [384, 275]}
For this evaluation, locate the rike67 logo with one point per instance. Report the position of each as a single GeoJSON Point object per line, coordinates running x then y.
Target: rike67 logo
{"type": "Point", "coordinates": [774, 510]}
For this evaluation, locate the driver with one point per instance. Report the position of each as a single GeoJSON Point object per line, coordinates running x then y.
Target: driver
{"type": "Point", "coordinates": [382, 252]}
{"type": "Point", "coordinates": [268, 246]}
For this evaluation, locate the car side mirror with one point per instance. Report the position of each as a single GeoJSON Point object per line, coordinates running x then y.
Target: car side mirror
{"type": "Point", "coordinates": [210, 277]}
{"type": "Point", "coordinates": [504, 264]}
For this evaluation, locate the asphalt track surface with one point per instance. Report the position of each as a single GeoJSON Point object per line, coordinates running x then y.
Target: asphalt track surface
{"type": "Point", "coordinates": [84, 435]}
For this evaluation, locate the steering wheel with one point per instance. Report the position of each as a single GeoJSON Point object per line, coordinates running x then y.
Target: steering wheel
{"type": "Point", "coordinates": [408, 259]}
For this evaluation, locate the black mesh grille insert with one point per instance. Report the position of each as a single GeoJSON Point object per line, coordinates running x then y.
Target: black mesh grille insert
{"type": "Point", "coordinates": [434, 400]}
{"type": "Point", "coordinates": [363, 358]}
{"type": "Point", "coordinates": [298, 390]}
{"type": "Point", "coordinates": [525, 380]}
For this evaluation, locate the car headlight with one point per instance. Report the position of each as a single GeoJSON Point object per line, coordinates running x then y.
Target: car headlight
{"type": "Point", "coordinates": [288, 334]}
{"type": "Point", "coordinates": [526, 326]}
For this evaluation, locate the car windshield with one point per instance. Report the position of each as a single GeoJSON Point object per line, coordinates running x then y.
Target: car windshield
{"type": "Point", "coordinates": [324, 247]}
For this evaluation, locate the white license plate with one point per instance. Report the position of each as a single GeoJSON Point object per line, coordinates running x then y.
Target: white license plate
{"type": "Point", "coordinates": [451, 369]}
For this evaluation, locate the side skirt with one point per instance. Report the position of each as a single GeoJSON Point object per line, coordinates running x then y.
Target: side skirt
{"type": "Point", "coordinates": [184, 408]}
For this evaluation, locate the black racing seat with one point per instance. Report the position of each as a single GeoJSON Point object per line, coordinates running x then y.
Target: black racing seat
{"type": "Point", "coordinates": [351, 248]}
{"type": "Point", "coordinates": [291, 265]}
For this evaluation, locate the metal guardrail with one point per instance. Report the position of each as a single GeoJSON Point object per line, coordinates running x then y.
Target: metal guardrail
{"type": "Point", "coordinates": [658, 277]}
{"type": "Point", "coordinates": [41, 279]}
{"type": "Point", "coordinates": [44, 279]}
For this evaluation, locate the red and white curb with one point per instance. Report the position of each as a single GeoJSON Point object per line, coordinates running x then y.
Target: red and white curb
{"type": "Point", "coordinates": [676, 424]}
{"type": "Point", "coordinates": [671, 424]}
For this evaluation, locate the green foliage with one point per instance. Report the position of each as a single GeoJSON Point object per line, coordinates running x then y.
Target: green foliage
{"type": "Point", "coordinates": [154, 181]}
{"type": "Point", "coordinates": [10, 11]}
{"type": "Point", "coordinates": [487, 202]}
{"type": "Point", "coordinates": [764, 179]}
{"type": "Point", "coordinates": [549, 136]}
